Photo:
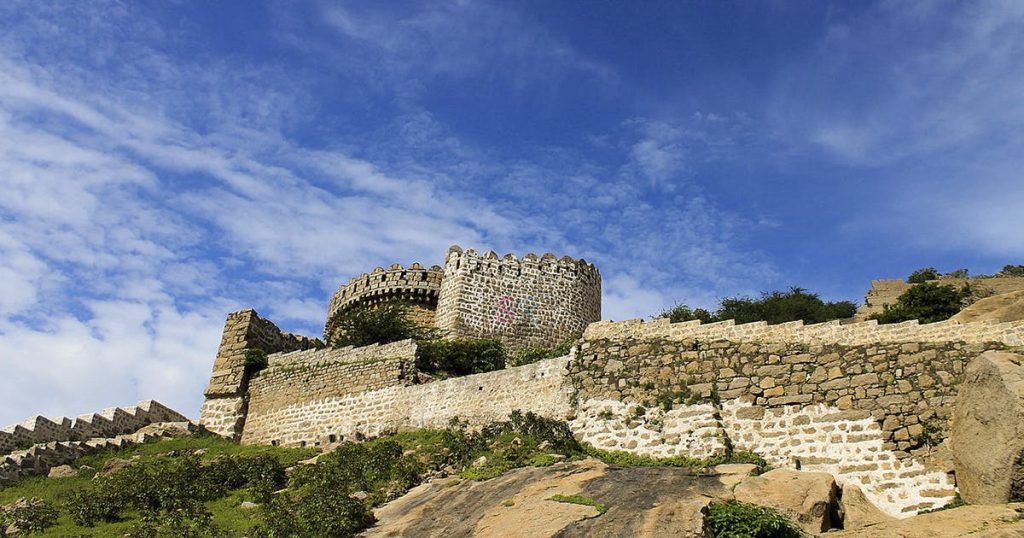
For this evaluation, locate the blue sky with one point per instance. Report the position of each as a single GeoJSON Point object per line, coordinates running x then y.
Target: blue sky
{"type": "Point", "coordinates": [165, 163]}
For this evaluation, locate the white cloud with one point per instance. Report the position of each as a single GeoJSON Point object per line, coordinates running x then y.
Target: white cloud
{"type": "Point", "coordinates": [137, 214]}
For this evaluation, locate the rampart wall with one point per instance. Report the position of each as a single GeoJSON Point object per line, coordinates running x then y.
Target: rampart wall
{"type": "Point", "coordinates": [528, 302]}
{"type": "Point", "coordinates": [887, 291]}
{"type": "Point", "coordinates": [864, 402]}
{"type": "Point", "coordinates": [415, 285]}
{"type": "Point", "coordinates": [224, 409]}
{"type": "Point", "coordinates": [327, 415]}
{"type": "Point", "coordinates": [867, 403]}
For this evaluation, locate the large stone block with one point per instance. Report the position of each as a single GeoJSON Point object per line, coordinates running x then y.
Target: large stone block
{"type": "Point", "coordinates": [987, 434]}
{"type": "Point", "coordinates": [808, 498]}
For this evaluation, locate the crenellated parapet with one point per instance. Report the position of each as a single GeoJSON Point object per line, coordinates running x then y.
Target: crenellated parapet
{"type": "Point", "coordinates": [107, 423]}
{"type": "Point", "coordinates": [830, 332]}
{"type": "Point", "coordinates": [415, 285]}
{"type": "Point", "coordinates": [533, 301]}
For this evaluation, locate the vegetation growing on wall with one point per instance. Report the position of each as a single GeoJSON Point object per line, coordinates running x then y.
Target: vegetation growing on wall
{"type": "Point", "coordinates": [380, 324]}
{"type": "Point", "coordinates": [772, 307]}
{"type": "Point", "coordinates": [460, 356]}
{"type": "Point", "coordinates": [928, 303]}
{"type": "Point", "coordinates": [531, 355]}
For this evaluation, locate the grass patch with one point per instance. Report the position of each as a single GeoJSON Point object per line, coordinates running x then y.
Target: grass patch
{"type": "Point", "coordinates": [580, 499]}
{"type": "Point", "coordinates": [620, 458]}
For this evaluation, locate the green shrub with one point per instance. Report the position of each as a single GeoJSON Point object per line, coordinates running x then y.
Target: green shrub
{"type": "Point", "coordinates": [740, 520]}
{"type": "Point", "coordinates": [161, 485]}
{"type": "Point", "coordinates": [959, 273]}
{"type": "Point", "coordinates": [682, 312]}
{"type": "Point", "coordinates": [191, 521]}
{"type": "Point", "coordinates": [522, 440]}
{"type": "Point", "coordinates": [92, 505]}
{"type": "Point", "coordinates": [314, 512]}
{"type": "Point", "coordinates": [928, 303]}
{"type": "Point", "coordinates": [29, 515]}
{"type": "Point", "coordinates": [255, 360]}
{"type": "Point", "coordinates": [380, 324]}
{"type": "Point", "coordinates": [774, 307]}
{"type": "Point", "coordinates": [1012, 270]}
{"type": "Point", "coordinates": [923, 275]}
{"type": "Point", "coordinates": [531, 355]}
{"type": "Point", "coordinates": [460, 356]}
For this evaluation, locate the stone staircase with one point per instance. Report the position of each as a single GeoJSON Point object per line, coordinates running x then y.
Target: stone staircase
{"type": "Point", "coordinates": [831, 332]}
{"type": "Point", "coordinates": [108, 423]}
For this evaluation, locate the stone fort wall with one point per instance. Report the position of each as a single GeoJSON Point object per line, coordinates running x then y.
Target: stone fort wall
{"type": "Point", "coordinates": [528, 302]}
{"type": "Point", "coordinates": [326, 414]}
{"type": "Point", "coordinates": [224, 410]}
{"type": "Point", "coordinates": [867, 403]}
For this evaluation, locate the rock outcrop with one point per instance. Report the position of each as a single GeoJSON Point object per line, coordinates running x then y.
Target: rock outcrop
{"type": "Point", "coordinates": [810, 499]}
{"type": "Point", "coordinates": [988, 521]}
{"type": "Point", "coordinates": [999, 308]}
{"type": "Point", "coordinates": [651, 502]}
{"type": "Point", "coordinates": [987, 432]}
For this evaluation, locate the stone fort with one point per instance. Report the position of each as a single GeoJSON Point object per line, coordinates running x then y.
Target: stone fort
{"type": "Point", "coordinates": [868, 403]}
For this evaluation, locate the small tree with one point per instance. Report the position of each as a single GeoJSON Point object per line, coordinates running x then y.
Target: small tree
{"type": "Point", "coordinates": [923, 275]}
{"type": "Point", "coordinates": [1012, 270]}
{"type": "Point", "coordinates": [928, 303]}
{"type": "Point", "coordinates": [682, 312]}
{"type": "Point", "coordinates": [381, 324]}
{"type": "Point", "coordinates": [774, 307]}
{"type": "Point", "coordinates": [959, 273]}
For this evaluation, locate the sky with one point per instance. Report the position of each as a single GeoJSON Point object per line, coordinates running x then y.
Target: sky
{"type": "Point", "coordinates": [165, 163]}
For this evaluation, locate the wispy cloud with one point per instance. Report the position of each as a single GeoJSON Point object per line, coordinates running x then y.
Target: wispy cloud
{"type": "Point", "coordinates": [147, 195]}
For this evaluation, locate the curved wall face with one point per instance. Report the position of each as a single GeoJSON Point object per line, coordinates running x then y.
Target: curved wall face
{"type": "Point", "coordinates": [414, 285]}
{"type": "Point", "coordinates": [528, 302]}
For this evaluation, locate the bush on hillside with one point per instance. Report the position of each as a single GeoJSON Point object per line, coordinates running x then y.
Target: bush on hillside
{"type": "Point", "coordinates": [1012, 270]}
{"type": "Point", "coordinates": [923, 275]}
{"type": "Point", "coordinates": [928, 303]}
{"type": "Point", "coordinates": [460, 356]}
{"type": "Point", "coordinates": [381, 324]}
{"type": "Point", "coordinates": [741, 520]}
{"type": "Point", "coordinates": [165, 485]}
{"type": "Point", "coordinates": [681, 312]}
{"type": "Point", "coordinates": [29, 515]}
{"type": "Point", "coordinates": [774, 307]}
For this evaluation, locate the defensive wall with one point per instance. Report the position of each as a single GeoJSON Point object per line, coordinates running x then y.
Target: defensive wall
{"type": "Point", "coordinates": [867, 403]}
{"type": "Point", "coordinates": [224, 409]}
{"type": "Point", "coordinates": [886, 291]}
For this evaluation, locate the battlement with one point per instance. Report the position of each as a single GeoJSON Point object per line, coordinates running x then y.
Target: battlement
{"type": "Point", "coordinates": [831, 332]}
{"type": "Point", "coordinates": [414, 284]}
{"type": "Point", "coordinates": [107, 423]}
{"type": "Point", "coordinates": [524, 302]}
{"type": "Point", "coordinates": [490, 264]}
